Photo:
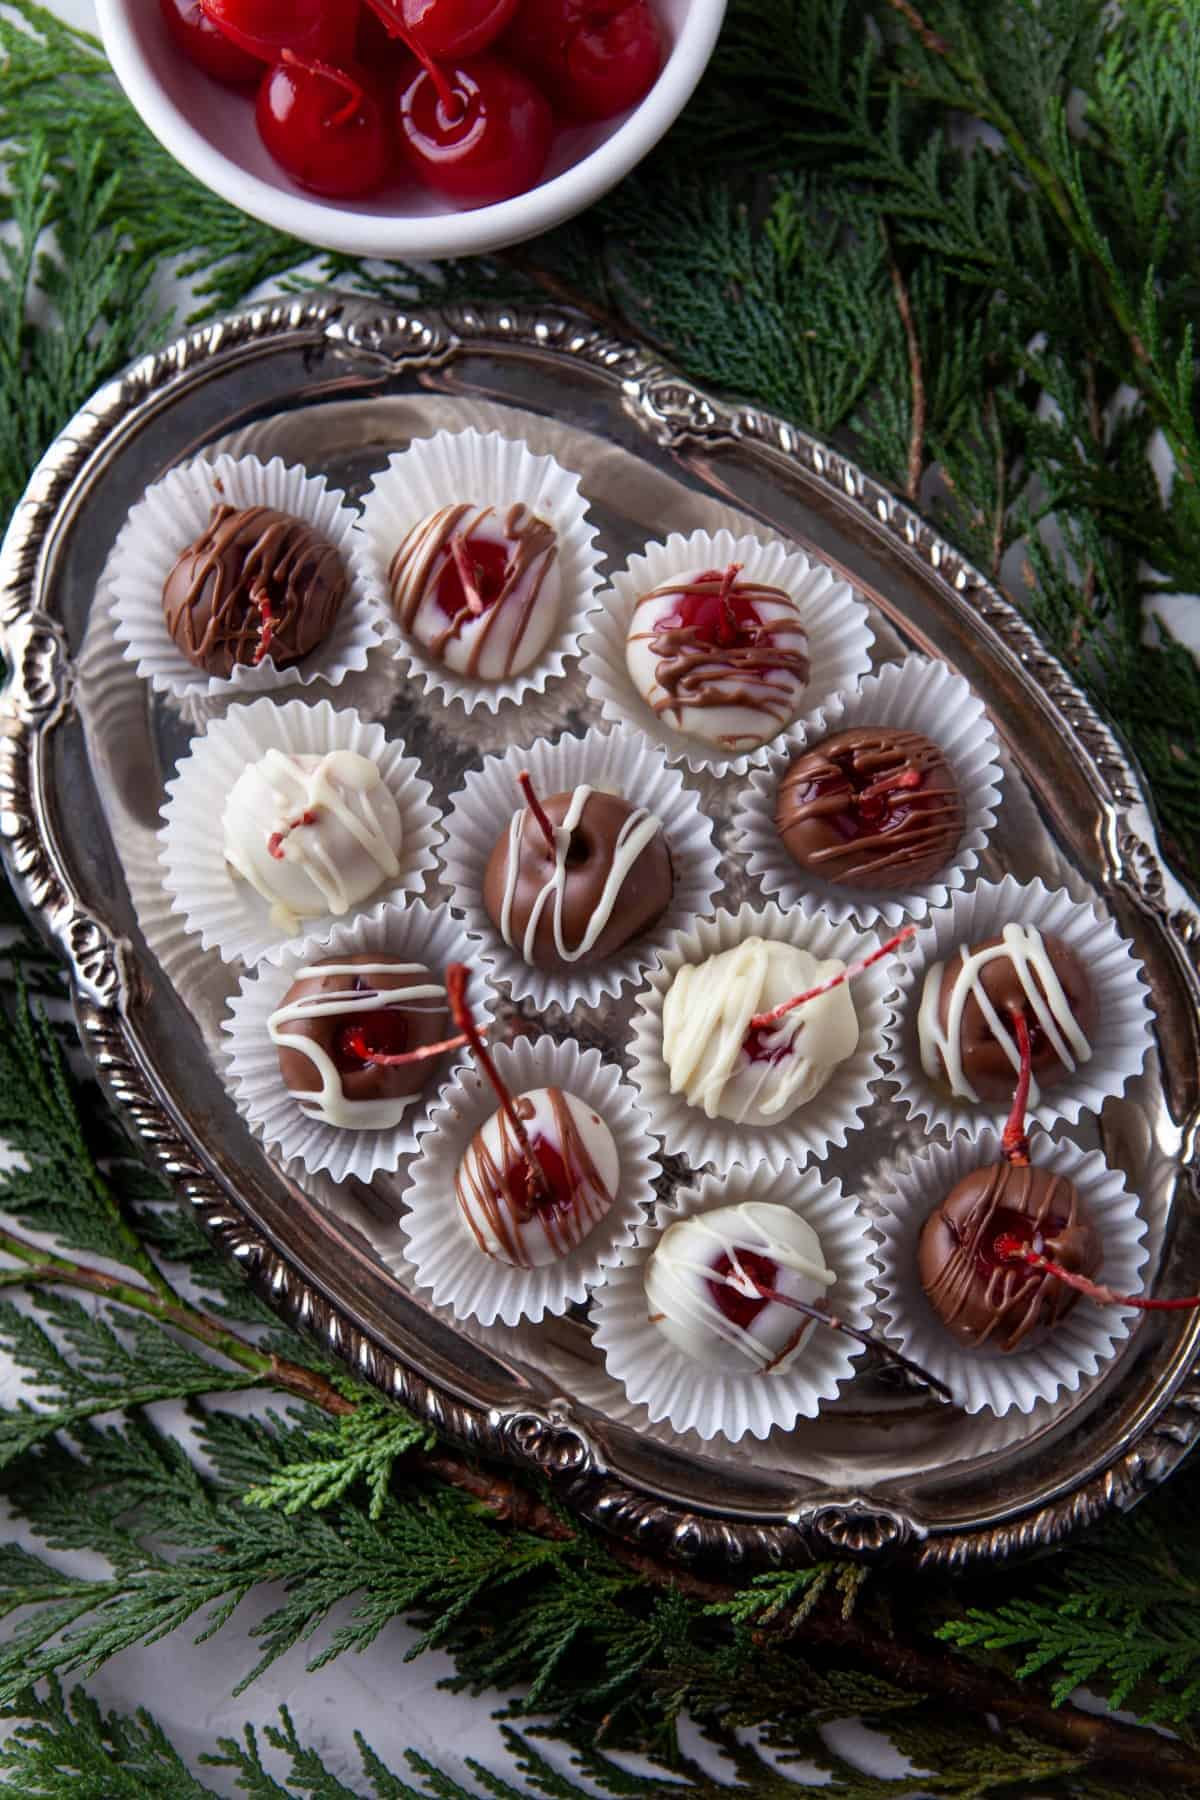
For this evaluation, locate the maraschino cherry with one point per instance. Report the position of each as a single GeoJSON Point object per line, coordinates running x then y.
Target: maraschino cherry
{"type": "Point", "coordinates": [478, 131]}
{"type": "Point", "coordinates": [325, 126]}
{"type": "Point", "coordinates": [445, 28]}
{"type": "Point", "coordinates": [201, 42]}
{"type": "Point", "coordinates": [595, 57]}
{"type": "Point", "coordinates": [762, 1045]}
{"type": "Point", "coordinates": [320, 28]}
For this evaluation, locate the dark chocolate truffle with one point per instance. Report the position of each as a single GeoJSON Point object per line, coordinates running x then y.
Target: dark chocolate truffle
{"type": "Point", "coordinates": [871, 807]}
{"type": "Point", "coordinates": [257, 585]}
{"type": "Point", "coordinates": [978, 1297]}
{"type": "Point", "coordinates": [965, 1025]}
{"type": "Point", "coordinates": [607, 878]}
{"type": "Point", "coordinates": [340, 1010]}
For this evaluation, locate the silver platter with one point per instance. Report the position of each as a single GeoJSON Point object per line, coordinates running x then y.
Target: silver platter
{"type": "Point", "coordinates": [84, 752]}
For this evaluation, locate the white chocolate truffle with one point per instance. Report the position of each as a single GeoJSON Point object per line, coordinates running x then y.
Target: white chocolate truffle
{"type": "Point", "coordinates": [706, 1024]}
{"type": "Point", "coordinates": [312, 834]}
{"type": "Point", "coordinates": [719, 658]}
{"type": "Point", "coordinates": [481, 590]}
{"type": "Point", "coordinates": [703, 1281]}
{"type": "Point", "coordinates": [494, 1189]}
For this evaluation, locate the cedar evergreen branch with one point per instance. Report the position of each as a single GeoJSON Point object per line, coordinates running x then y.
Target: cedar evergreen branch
{"type": "Point", "coordinates": [1000, 327]}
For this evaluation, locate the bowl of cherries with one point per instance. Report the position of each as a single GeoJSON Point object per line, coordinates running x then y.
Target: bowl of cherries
{"type": "Point", "coordinates": [409, 128]}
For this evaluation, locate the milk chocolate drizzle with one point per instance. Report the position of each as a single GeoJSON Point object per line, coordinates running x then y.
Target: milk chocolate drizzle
{"type": "Point", "coordinates": [497, 1197]}
{"type": "Point", "coordinates": [423, 555]}
{"type": "Point", "coordinates": [256, 583]}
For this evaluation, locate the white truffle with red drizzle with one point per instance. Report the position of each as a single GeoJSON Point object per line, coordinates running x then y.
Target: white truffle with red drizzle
{"type": "Point", "coordinates": [312, 834]}
{"type": "Point", "coordinates": [718, 1284]}
{"type": "Point", "coordinates": [720, 658]}
{"type": "Point", "coordinates": [479, 588]}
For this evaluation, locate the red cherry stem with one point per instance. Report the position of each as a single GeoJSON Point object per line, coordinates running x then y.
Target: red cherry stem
{"type": "Point", "coordinates": [313, 65]}
{"type": "Point", "coordinates": [466, 572]}
{"type": "Point", "coordinates": [457, 977]}
{"type": "Point", "coordinates": [1011, 1249]}
{"type": "Point", "coordinates": [388, 12]}
{"type": "Point", "coordinates": [727, 628]}
{"type": "Point", "coordinates": [835, 1324]}
{"type": "Point", "coordinates": [260, 599]}
{"type": "Point", "coordinates": [356, 1043]}
{"type": "Point", "coordinates": [900, 778]}
{"type": "Point", "coordinates": [761, 1021]}
{"type": "Point", "coordinates": [1015, 1141]}
{"type": "Point", "coordinates": [539, 812]}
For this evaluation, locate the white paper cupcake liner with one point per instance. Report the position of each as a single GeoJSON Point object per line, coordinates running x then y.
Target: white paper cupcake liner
{"type": "Point", "coordinates": [172, 515]}
{"type": "Point", "coordinates": [441, 1249]}
{"type": "Point", "coordinates": [913, 695]}
{"type": "Point", "coordinates": [227, 914]}
{"type": "Point", "coordinates": [484, 469]}
{"type": "Point", "coordinates": [825, 1120]}
{"type": "Point", "coordinates": [988, 1379]}
{"type": "Point", "coordinates": [1120, 1037]}
{"type": "Point", "coordinates": [412, 932]}
{"type": "Point", "coordinates": [712, 1402]}
{"type": "Point", "coordinates": [839, 637]}
{"type": "Point", "coordinates": [609, 760]}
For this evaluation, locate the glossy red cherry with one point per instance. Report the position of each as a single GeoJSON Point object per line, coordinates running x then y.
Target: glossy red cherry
{"type": "Point", "coordinates": [194, 33]}
{"type": "Point", "coordinates": [446, 28]}
{"type": "Point", "coordinates": [324, 126]}
{"type": "Point", "coordinates": [478, 131]}
{"type": "Point", "coordinates": [265, 28]}
{"type": "Point", "coordinates": [741, 1309]}
{"type": "Point", "coordinates": [594, 58]}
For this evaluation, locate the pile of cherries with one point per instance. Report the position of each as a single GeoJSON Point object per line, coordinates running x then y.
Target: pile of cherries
{"type": "Point", "coordinates": [466, 93]}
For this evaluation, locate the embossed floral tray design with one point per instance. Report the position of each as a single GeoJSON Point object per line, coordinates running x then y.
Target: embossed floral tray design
{"type": "Point", "coordinates": [85, 751]}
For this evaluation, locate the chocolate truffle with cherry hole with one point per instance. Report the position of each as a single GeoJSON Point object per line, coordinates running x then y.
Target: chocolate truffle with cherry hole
{"type": "Point", "coordinates": [965, 1024]}
{"type": "Point", "coordinates": [990, 1301]}
{"type": "Point", "coordinates": [256, 586]}
{"type": "Point", "coordinates": [704, 1282]}
{"type": "Point", "coordinates": [606, 878]}
{"type": "Point", "coordinates": [870, 807]}
{"type": "Point", "coordinates": [340, 1011]}
{"type": "Point", "coordinates": [527, 1218]}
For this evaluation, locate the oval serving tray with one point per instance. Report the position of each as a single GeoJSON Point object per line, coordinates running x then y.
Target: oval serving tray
{"type": "Point", "coordinates": [84, 752]}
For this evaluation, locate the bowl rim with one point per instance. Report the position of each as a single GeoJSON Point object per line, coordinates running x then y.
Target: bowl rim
{"type": "Point", "coordinates": [433, 235]}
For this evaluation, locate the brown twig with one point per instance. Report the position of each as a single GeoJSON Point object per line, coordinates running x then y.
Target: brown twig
{"type": "Point", "coordinates": [916, 373]}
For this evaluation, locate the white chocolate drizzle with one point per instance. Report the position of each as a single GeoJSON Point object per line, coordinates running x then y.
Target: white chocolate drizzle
{"type": "Point", "coordinates": [1024, 946]}
{"type": "Point", "coordinates": [706, 1021]}
{"type": "Point", "coordinates": [684, 1262]}
{"type": "Point", "coordinates": [330, 1105]}
{"type": "Point", "coordinates": [636, 835]}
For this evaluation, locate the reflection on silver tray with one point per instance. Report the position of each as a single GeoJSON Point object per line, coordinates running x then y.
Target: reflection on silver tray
{"type": "Point", "coordinates": [84, 753]}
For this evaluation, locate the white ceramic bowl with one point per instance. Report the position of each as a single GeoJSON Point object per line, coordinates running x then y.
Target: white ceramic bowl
{"type": "Point", "coordinates": [211, 131]}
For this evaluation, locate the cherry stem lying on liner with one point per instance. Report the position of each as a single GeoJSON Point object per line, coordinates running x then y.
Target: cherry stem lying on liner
{"type": "Point", "coordinates": [762, 1021]}
{"type": "Point", "coordinates": [525, 783]}
{"type": "Point", "coordinates": [355, 1041]}
{"type": "Point", "coordinates": [457, 977]}
{"type": "Point", "coordinates": [1015, 1141]}
{"type": "Point", "coordinates": [1011, 1249]}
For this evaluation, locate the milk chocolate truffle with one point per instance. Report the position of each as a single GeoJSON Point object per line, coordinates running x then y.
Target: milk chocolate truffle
{"type": "Point", "coordinates": [965, 1024]}
{"type": "Point", "coordinates": [341, 1011]}
{"type": "Point", "coordinates": [870, 807]}
{"type": "Point", "coordinates": [721, 659]}
{"type": "Point", "coordinates": [511, 1216]}
{"type": "Point", "coordinates": [755, 1075]}
{"type": "Point", "coordinates": [312, 834]}
{"type": "Point", "coordinates": [606, 879]}
{"type": "Point", "coordinates": [704, 1282]}
{"type": "Point", "coordinates": [982, 1298]}
{"type": "Point", "coordinates": [479, 588]}
{"type": "Point", "coordinates": [256, 586]}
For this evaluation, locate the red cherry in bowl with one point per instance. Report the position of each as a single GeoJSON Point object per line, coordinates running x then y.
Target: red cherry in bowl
{"type": "Point", "coordinates": [446, 28]}
{"type": "Point", "coordinates": [595, 57]}
{"type": "Point", "coordinates": [325, 126]}
{"type": "Point", "coordinates": [195, 34]}
{"type": "Point", "coordinates": [477, 131]}
{"type": "Point", "coordinates": [265, 28]}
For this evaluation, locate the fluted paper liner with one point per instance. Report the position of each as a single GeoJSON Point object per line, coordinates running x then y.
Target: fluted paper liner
{"type": "Point", "coordinates": [484, 469]}
{"type": "Point", "coordinates": [172, 514]}
{"type": "Point", "coordinates": [913, 695]}
{"type": "Point", "coordinates": [443, 1253]}
{"type": "Point", "coordinates": [414, 933]}
{"type": "Point", "coordinates": [711, 1402]}
{"type": "Point", "coordinates": [826, 1119]}
{"type": "Point", "coordinates": [1120, 1036]}
{"type": "Point", "coordinates": [228, 915]}
{"type": "Point", "coordinates": [839, 637]}
{"type": "Point", "coordinates": [987, 1379]}
{"type": "Point", "coordinates": [610, 760]}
